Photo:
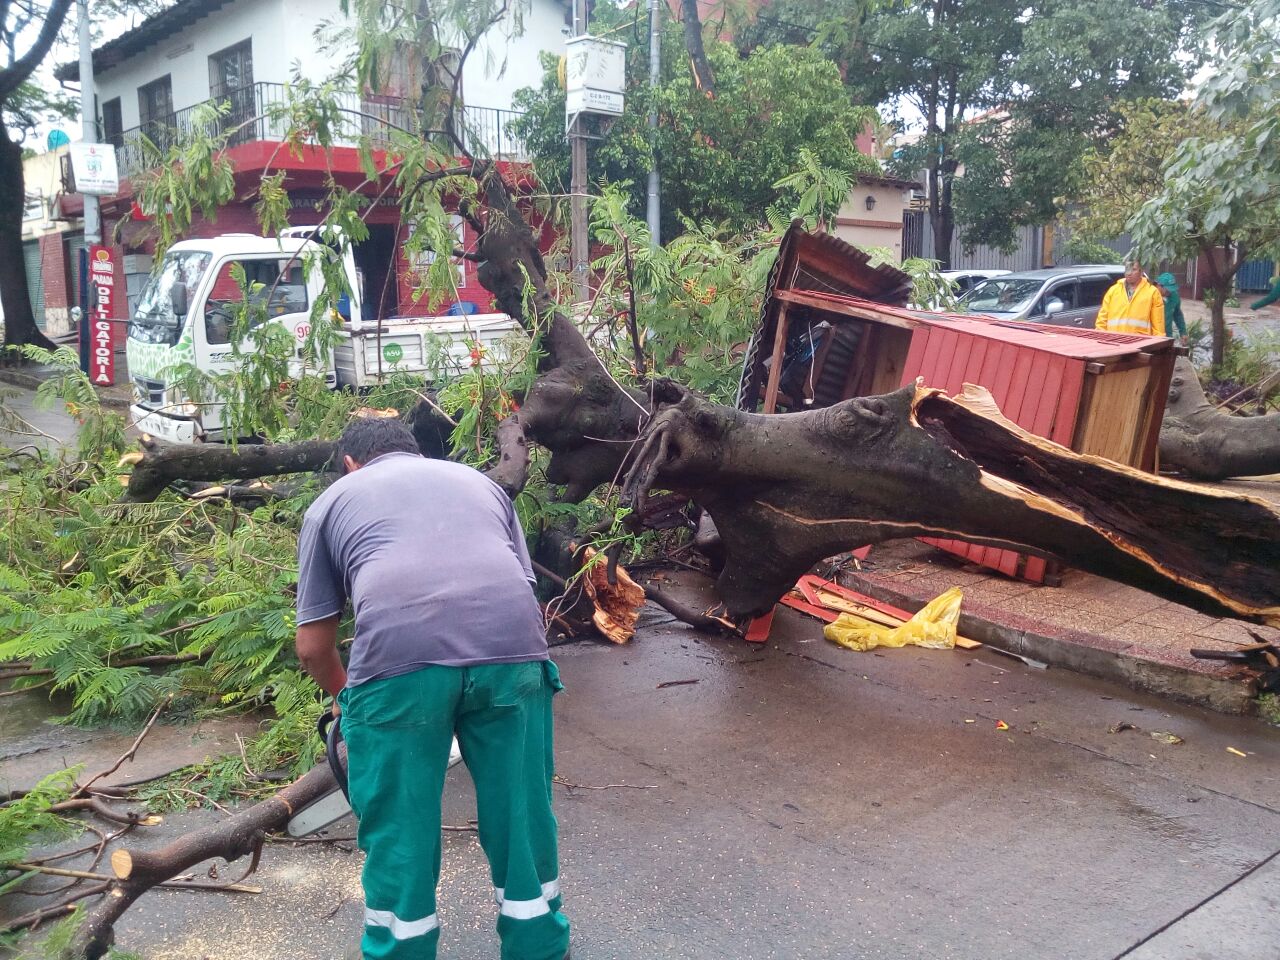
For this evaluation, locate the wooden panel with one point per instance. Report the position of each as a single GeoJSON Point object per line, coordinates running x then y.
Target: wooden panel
{"type": "Point", "coordinates": [1111, 422]}
{"type": "Point", "coordinates": [959, 363]}
{"type": "Point", "coordinates": [775, 365]}
{"type": "Point", "coordinates": [1064, 424]}
{"type": "Point", "coordinates": [893, 349]}
{"type": "Point", "coordinates": [915, 356]}
{"type": "Point", "coordinates": [940, 343]}
{"type": "Point", "coordinates": [1000, 383]}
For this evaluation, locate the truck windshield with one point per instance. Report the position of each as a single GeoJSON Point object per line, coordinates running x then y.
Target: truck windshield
{"type": "Point", "coordinates": [155, 320]}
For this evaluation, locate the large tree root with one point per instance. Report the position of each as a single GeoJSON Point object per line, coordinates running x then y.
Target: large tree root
{"type": "Point", "coordinates": [137, 871]}
{"type": "Point", "coordinates": [1204, 443]}
{"type": "Point", "coordinates": [787, 490]}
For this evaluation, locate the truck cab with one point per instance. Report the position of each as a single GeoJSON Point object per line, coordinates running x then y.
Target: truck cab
{"type": "Point", "coordinates": [185, 317]}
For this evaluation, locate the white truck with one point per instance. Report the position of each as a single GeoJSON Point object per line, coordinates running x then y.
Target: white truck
{"type": "Point", "coordinates": [184, 317]}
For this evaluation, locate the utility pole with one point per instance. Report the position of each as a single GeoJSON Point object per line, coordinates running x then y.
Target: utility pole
{"type": "Point", "coordinates": [88, 121]}
{"type": "Point", "coordinates": [578, 181]}
{"type": "Point", "coordinates": [653, 211]}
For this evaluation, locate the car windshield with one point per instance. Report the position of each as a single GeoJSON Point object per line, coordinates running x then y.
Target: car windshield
{"type": "Point", "coordinates": [154, 321]}
{"type": "Point", "coordinates": [1002, 295]}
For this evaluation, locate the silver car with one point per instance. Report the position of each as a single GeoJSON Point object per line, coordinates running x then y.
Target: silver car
{"type": "Point", "coordinates": [1064, 296]}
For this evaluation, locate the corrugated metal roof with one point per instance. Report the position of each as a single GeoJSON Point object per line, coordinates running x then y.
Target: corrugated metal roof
{"type": "Point", "coordinates": [150, 31]}
{"type": "Point", "coordinates": [821, 263]}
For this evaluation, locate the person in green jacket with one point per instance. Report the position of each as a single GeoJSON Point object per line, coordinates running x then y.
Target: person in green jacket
{"type": "Point", "coordinates": [1174, 320]}
{"type": "Point", "coordinates": [1270, 298]}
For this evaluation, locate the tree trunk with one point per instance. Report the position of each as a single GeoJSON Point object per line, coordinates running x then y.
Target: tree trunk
{"type": "Point", "coordinates": [1205, 443]}
{"type": "Point", "coordinates": [1218, 324]}
{"type": "Point", "coordinates": [138, 871]}
{"type": "Point", "coordinates": [19, 322]}
{"type": "Point", "coordinates": [787, 490]}
{"type": "Point", "coordinates": [703, 78]}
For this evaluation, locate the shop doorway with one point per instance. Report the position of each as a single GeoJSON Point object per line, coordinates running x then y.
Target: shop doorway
{"type": "Point", "coordinates": [376, 261]}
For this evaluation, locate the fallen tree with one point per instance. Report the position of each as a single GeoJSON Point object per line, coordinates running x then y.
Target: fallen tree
{"type": "Point", "coordinates": [787, 490]}
{"type": "Point", "coordinates": [1204, 442]}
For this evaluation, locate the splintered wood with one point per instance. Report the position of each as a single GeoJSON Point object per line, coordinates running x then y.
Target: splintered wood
{"type": "Point", "coordinates": [617, 605]}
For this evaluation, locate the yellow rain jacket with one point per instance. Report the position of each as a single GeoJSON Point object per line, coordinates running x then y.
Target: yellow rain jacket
{"type": "Point", "coordinates": [1141, 314]}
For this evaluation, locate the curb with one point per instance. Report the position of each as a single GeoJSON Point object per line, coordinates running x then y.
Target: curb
{"type": "Point", "coordinates": [30, 381]}
{"type": "Point", "coordinates": [1083, 652]}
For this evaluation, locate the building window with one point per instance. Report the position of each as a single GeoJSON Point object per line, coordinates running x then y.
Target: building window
{"type": "Point", "coordinates": [155, 111]}
{"type": "Point", "coordinates": [112, 123]}
{"type": "Point", "coordinates": [231, 81]}
{"type": "Point", "coordinates": [231, 71]}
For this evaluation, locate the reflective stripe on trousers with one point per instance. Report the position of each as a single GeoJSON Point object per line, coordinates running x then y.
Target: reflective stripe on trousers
{"type": "Point", "coordinates": [400, 929]}
{"type": "Point", "coordinates": [527, 909]}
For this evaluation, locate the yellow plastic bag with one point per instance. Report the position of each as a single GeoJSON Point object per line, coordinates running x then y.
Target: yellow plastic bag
{"type": "Point", "coordinates": [934, 626]}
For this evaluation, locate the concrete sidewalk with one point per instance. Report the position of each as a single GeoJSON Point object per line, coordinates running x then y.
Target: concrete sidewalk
{"type": "Point", "coordinates": [1088, 624]}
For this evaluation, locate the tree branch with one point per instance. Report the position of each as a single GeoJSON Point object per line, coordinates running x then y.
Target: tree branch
{"type": "Point", "coordinates": [13, 77]}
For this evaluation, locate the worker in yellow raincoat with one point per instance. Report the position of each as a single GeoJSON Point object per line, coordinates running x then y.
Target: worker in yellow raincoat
{"type": "Point", "coordinates": [1132, 305]}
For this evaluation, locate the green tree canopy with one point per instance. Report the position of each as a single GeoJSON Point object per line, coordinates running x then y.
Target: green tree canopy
{"type": "Point", "coordinates": [1011, 95]}
{"type": "Point", "coordinates": [1222, 189]}
{"type": "Point", "coordinates": [719, 158]}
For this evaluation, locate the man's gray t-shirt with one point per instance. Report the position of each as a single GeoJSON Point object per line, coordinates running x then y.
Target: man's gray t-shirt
{"type": "Point", "coordinates": [432, 556]}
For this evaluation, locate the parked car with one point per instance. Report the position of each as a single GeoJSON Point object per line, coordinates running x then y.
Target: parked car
{"type": "Point", "coordinates": [965, 280]}
{"type": "Point", "coordinates": [1064, 296]}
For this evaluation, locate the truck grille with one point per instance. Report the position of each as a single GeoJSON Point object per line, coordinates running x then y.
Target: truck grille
{"type": "Point", "coordinates": [149, 391]}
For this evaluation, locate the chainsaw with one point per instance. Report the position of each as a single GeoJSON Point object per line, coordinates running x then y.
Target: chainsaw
{"type": "Point", "coordinates": [329, 808]}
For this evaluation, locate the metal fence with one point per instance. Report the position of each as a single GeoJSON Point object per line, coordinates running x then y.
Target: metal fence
{"type": "Point", "coordinates": [261, 112]}
{"type": "Point", "coordinates": [1027, 253]}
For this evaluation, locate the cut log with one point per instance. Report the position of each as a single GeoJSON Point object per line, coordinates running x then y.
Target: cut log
{"type": "Point", "coordinates": [1206, 443]}
{"type": "Point", "coordinates": [137, 871]}
{"type": "Point", "coordinates": [163, 463]}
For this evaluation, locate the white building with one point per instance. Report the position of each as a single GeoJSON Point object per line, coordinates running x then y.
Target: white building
{"type": "Point", "coordinates": [150, 80]}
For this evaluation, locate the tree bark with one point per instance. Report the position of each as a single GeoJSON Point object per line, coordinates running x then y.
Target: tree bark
{"type": "Point", "coordinates": [163, 463]}
{"type": "Point", "coordinates": [788, 490]}
{"type": "Point", "coordinates": [1206, 443]}
{"type": "Point", "coordinates": [19, 321]}
{"type": "Point", "coordinates": [137, 871]}
{"type": "Point", "coordinates": [703, 78]}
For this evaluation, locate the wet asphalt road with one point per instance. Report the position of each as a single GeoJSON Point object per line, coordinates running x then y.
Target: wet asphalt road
{"type": "Point", "coordinates": [802, 801]}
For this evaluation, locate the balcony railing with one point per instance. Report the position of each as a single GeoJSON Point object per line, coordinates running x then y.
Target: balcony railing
{"type": "Point", "coordinates": [256, 114]}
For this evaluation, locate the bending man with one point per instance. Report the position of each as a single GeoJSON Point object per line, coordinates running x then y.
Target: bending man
{"type": "Point", "coordinates": [448, 639]}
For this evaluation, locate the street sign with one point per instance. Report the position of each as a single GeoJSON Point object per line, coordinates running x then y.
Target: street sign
{"type": "Point", "coordinates": [102, 299]}
{"type": "Point", "coordinates": [93, 168]}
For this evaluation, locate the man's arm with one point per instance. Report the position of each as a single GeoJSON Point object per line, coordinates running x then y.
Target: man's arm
{"type": "Point", "coordinates": [1104, 312]}
{"type": "Point", "coordinates": [317, 646]}
{"type": "Point", "coordinates": [1158, 328]}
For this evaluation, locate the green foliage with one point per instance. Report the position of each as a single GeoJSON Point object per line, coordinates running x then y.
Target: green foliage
{"type": "Point", "coordinates": [1223, 184]}
{"type": "Point", "coordinates": [1081, 249]}
{"type": "Point", "coordinates": [101, 431]}
{"type": "Point", "coordinates": [720, 159]}
{"type": "Point", "coordinates": [706, 280]}
{"type": "Point", "coordinates": [28, 822]}
{"type": "Point", "coordinates": [1013, 94]}
{"type": "Point", "coordinates": [1269, 708]}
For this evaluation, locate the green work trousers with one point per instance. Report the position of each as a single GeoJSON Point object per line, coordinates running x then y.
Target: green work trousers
{"type": "Point", "coordinates": [398, 732]}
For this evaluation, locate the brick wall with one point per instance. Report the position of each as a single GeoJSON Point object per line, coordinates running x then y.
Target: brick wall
{"type": "Point", "coordinates": [57, 293]}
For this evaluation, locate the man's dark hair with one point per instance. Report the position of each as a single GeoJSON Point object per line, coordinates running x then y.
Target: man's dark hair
{"type": "Point", "coordinates": [369, 437]}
